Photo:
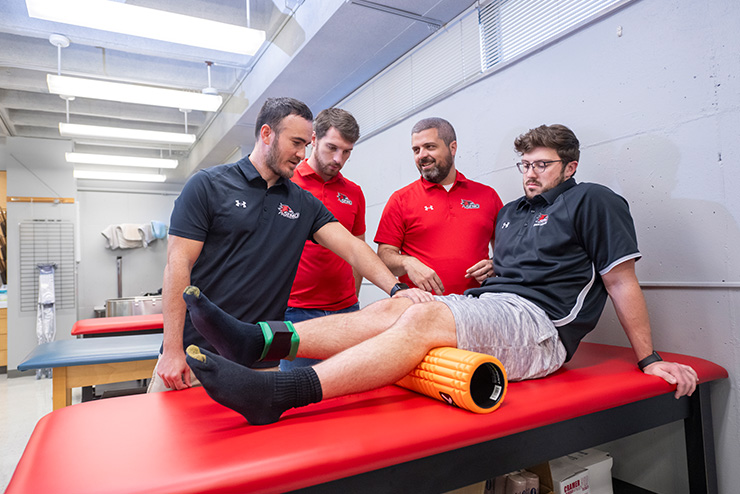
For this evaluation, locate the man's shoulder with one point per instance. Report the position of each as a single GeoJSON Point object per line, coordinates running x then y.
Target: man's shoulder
{"type": "Point", "coordinates": [349, 184]}
{"type": "Point", "coordinates": [414, 187]}
{"type": "Point", "coordinates": [589, 191]}
{"type": "Point", "coordinates": [293, 188]}
{"type": "Point", "coordinates": [226, 171]}
{"type": "Point", "coordinates": [478, 186]}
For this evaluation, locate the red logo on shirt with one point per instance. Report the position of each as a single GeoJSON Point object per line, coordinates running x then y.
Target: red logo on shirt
{"type": "Point", "coordinates": [286, 211]}
{"type": "Point", "coordinates": [343, 199]}
{"type": "Point", "coordinates": [469, 204]}
{"type": "Point", "coordinates": [541, 220]}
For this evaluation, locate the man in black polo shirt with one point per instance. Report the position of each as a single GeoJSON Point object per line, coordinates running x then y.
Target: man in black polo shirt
{"type": "Point", "coordinates": [238, 230]}
{"type": "Point", "coordinates": [559, 251]}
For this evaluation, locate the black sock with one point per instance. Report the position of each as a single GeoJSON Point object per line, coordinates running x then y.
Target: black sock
{"type": "Point", "coordinates": [236, 340]}
{"type": "Point", "coordinates": [261, 397]}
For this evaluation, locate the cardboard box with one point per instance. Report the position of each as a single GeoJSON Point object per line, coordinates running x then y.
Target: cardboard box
{"type": "Point", "coordinates": [583, 472]}
{"type": "Point", "coordinates": [543, 472]}
{"type": "Point", "coordinates": [568, 477]}
{"type": "Point", "coordinates": [479, 488]}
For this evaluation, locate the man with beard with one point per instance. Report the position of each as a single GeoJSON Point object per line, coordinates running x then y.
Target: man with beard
{"type": "Point", "coordinates": [326, 284]}
{"type": "Point", "coordinates": [434, 233]}
{"type": "Point", "coordinates": [560, 250]}
{"type": "Point", "coordinates": [237, 231]}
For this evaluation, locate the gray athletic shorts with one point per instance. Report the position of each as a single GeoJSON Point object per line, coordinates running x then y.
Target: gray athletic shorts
{"type": "Point", "coordinates": [510, 328]}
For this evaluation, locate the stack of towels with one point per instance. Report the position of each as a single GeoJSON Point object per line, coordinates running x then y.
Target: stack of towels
{"type": "Point", "coordinates": [133, 235]}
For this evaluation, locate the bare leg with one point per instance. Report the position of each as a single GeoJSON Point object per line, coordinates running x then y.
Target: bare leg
{"type": "Point", "coordinates": [389, 356]}
{"type": "Point", "coordinates": [323, 337]}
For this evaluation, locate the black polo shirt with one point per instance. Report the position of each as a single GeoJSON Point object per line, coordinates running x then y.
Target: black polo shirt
{"type": "Point", "coordinates": [252, 238]}
{"type": "Point", "coordinates": [553, 249]}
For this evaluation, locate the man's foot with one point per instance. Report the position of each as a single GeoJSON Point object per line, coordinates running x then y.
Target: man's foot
{"type": "Point", "coordinates": [261, 397]}
{"type": "Point", "coordinates": [236, 340]}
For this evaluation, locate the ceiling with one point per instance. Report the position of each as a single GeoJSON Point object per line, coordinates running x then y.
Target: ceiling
{"type": "Point", "coordinates": [316, 50]}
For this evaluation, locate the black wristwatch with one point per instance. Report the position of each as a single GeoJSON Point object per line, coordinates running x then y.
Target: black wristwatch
{"type": "Point", "coordinates": [397, 287]}
{"type": "Point", "coordinates": [650, 359]}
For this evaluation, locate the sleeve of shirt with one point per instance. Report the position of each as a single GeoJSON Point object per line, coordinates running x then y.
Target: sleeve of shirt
{"type": "Point", "coordinates": [606, 229]}
{"type": "Point", "coordinates": [391, 226]}
{"type": "Point", "coordinates": [359, 226]}
{"type": "Point", "coordinates": [322, 215]}
{"type": "Point", "coordinates": [191, 214]}
{"type": "Point", "coordinates": [498, 204]}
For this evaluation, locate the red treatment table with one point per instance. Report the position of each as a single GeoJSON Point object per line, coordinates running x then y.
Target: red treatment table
{"type": "Point", "coordinates": [104, 326]}
{"type": "Point", "coordinates": [387, 440]}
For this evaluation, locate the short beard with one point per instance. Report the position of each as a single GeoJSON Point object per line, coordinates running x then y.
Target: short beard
{"type": "Point", "coordinates": [561, 179]}
{"type": "Point", "coordinates": [323, 166]}
{"type": "Point", "coordinates": [273, 156]}
{"type": "Point", "coordinates": [438, 172]}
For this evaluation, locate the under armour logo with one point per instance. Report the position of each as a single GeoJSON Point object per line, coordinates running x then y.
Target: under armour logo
{"type": "Point", "coordinates": [428, 208]}
{"type": "Point", "coordinates": [505, 224]}
{"type": "Point", "coordinates": [241, 203]}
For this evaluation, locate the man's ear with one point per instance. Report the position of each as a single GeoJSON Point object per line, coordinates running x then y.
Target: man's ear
{"type": "Point", "coordinates": [266, 134]}
{"type": "Point", "coordinates": [313, 140]}
{"type": "Point", "coordinates": [453, 148]}
{"type": "Point", "coordinates": [570, 169]}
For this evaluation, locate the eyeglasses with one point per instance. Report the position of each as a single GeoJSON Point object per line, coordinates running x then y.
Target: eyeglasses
{"type": "Point", "coordinates": [538, 166]}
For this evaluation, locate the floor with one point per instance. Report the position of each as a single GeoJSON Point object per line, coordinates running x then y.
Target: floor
{"type": "Point", "coordinates": [23, 401]}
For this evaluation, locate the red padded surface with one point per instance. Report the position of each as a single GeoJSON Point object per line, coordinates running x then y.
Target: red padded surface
{"type": "Point", "coordinates": [100, 325]}
{"type": "Point", "coordinates": [184, 442]}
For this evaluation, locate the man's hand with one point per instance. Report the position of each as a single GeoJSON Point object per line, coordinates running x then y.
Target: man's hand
{"type": "Point", "coordinates": [683, 376]}
{"type": "Point", "coordinates": [423, 276]}
{"type": "Point", "coordinates": [174, 370]}
{"type": "Point", "coordinates": [480, 270]}
{"type": "Point", "coordinates": [415, 295]}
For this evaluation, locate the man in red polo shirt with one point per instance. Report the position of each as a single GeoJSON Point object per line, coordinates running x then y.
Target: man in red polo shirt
{"type": "Point", "coordinates": [324, 283]}
{"type": "Point", "coordinates": [434, 233]}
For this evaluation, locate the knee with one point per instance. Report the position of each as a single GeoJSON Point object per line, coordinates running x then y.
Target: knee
{"type": "Point", "coordinates": [429, 320]}
{"type": "Point", "coordinates": [387, 306]}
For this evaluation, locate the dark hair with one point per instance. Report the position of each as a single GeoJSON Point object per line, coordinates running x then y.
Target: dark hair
{"type": "Point", "coordinates": [275, 110]}
{"type": "Point", "coordinates": [342, 120]}
{"type": "Point", "coordinates": [557, 137]}
{"type": "Point", "coordinates": [444, 128]}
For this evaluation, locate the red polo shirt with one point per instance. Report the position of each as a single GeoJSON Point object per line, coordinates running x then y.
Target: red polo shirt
{"type": "Point", "coordinates": [324, 280]}
{"type": "Point", "coordinates": [447, 231]}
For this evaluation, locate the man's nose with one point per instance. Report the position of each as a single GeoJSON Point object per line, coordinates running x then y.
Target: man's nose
{"type": "Point", "coordinates": [531, 172]}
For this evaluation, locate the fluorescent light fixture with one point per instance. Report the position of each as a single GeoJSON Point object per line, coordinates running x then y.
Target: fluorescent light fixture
{"type": "Point", "coordinates": [109, 159]}
{"type": "Point", "coordinates": [121, 134]}
{"type": "Point", "coordinates": [131, 177]}
{"type": "Point", "coordinates": [131, 93]}
{"type": "Point", "coordinates": [149, 23]}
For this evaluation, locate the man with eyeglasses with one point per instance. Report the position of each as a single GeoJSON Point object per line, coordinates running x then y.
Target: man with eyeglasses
{"type": "Point", "coordinates": [560, 250]}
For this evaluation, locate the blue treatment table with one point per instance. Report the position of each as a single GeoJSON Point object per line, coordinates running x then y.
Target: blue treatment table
{"type": "Point", "coordinates": [91, 361]}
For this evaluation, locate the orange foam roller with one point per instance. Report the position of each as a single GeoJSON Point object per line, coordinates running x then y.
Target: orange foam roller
{"type": "Point", "coordinates": [469, 380]}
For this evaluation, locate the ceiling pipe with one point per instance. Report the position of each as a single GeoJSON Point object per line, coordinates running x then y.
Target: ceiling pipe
{"type": "Point", "coordinates": [402, 13]}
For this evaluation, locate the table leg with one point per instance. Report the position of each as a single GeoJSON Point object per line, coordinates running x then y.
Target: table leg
{"type": "Point", "coordinates": [61, 392]}
{"type": "Point", "coordinates": [700, 443]}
